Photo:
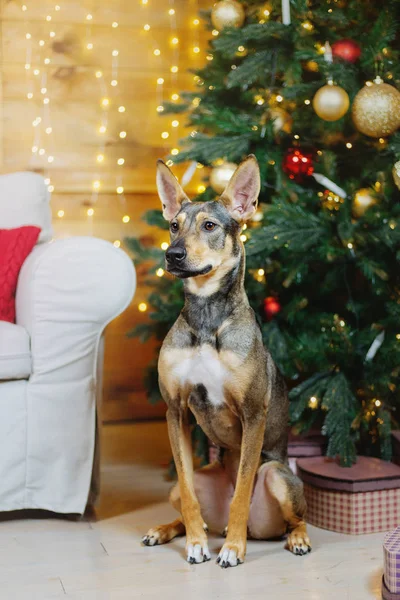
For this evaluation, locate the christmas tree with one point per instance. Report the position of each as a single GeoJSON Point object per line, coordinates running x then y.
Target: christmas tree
{"type": "Point", "coordinates": [320, 111]}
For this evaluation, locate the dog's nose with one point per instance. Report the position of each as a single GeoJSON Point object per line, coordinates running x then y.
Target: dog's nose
{"type": "Point", "coordinates": [175, 254]}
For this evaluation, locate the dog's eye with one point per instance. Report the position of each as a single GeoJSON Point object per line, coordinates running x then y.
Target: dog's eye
{"type": "Point", "coordinates": [174, 227]}
{"type": "Point", "coordinates": [209, 226]}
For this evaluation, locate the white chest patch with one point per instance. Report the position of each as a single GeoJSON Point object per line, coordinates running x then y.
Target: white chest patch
{"type": "Point", "coordinates": [204, 366]}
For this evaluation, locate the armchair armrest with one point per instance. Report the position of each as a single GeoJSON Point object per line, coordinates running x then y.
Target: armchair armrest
{"type": "Point", "coordinates": [68, 291]}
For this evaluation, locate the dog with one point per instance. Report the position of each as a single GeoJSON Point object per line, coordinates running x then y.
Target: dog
{"type": "Point", "coordinates": [214, 364]}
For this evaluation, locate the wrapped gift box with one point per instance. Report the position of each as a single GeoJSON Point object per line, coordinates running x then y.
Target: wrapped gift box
{"type": "Point", "coordinates": [313, 444]}
{"type": "Point", "coordinates": [364, 498]}
{"type": "Point", "coordinates": [391, 561]}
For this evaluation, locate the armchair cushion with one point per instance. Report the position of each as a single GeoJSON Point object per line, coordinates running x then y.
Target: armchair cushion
{"type": "Point", "coordinates": [15, 353]}
{"type": "Point", "coordinates": [15, 245]}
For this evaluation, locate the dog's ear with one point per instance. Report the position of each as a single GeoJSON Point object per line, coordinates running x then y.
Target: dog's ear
{"type": "Point", "coordinates": [171, 194]}
{"type": "Point", "coordinates": [241, 194]}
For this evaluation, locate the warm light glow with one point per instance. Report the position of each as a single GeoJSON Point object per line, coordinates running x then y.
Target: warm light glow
{"type": "Point", "coordinates": [49, 130]}
{"type": "Point", "coordinates": [34, 149]}
{"type": "Point", "coordinates": [102, 129]}
{"type": "Point", "coordinates": [100, 158]}
{"type": "Point", "coordinates": [175, 41]}
{"type": "Point", "coordinates": [174, 69]}
{"type": "Point", "coordinates": [117, 243]}
{"type": "Point", "coordinates": [46, 61]}
{"type": "Point", "coordinates": [313, 402]}
{"type": "Point", "coordinates": [142, 307]}
{"type": "Point", "coordinates": [397, 336]}
{"type": "Point", "coordinates": [50, 159]}
{"type": "Point", "coordinates": [378, 403]}
{"type": "Point", "coordinates": [122, 134]}
{"type": "Point", "coordinates": [115, 52]}
{"type": "Point", "coordinates": [201, 189]}
{"type": "Point", "coordinates": [27, 66]}
{"type": "Point", "coordinates": [350, 245]}
{"type": "Point", "coordinates": [146, 27]}
{"type": "Point", "coordinates": [157, 52]}
{"type": "Point", "coordinates": [196, 49]}
{"type": "Point", "coordinates": [51, 188]}
{"type": "Point", "coordinates": [120, 189]}
{"type": "Point", "coordinates": [52, 34]}
{"type": "Point", "coordinates": [29, 95]}
{"type": "Point", "coordinates": [307, 102]}
{"type": "Point", "coordinates": [57, 7]}
{"type": "Point", "coordinates": [46, 100]}
{"type": "Point", "coordinates": [90, 212]}
{"type": "Point", "coordinates": [89, 17]}
{"type": "Point", "coordinates": [24, 7]}
{"type": "Point", "coordinates": [48, 18]}
{"type": "Point", "coordinates": [175, 97]}
{"type": "Point", "coordinates": [175, 151]}
{"type": "Point", "coordinates": [164, 245]}
{"type": "Point", "coordinates": [43, 90]}
{"type": "Point", "coordinates": [171, 11]}
{"type": "Point", "coordinates": [349, 145]}
{"type": "Point", "coordinates": [243, 237]}
{"type": "Point", "coordinates": [99, 74]}
{"type": "Point", "coordinates": [175, 123]}
{"type": "Point", "coordinates": [28, 36]}
{"type": "Point", "coordinates": [41, 43]}
{"type": "Point", "coordinates": [260, 272]}
{"type": "Point", "coordinates": [115, 24]}
{"type": "Point", "coordinates": [160, 108]}
{"type": "Point", "coordinates": [105, 102]}
{"type": "Point", "coordinates": [126, 219]}
{"type": "Point", "coordinates": [121, 161]}
{"type": "Point", "coordinates": [60, 214]}
{"type": "Point", "coordinates": [165, 135]}
{"type": "Point", "coordinates": [145, 1]}
{"type": "Point", "coordinates": [47, 180]}
{"type": "Point", "coordinates": [89, 46]}
{"type": "Point", "coordinates": [42, 151]}
{"type": "Point", "coordinates": [96, 184]}
{"type": "Point", "coordinates": [240, 48]}
{"type": "Point", "coordinates": [160, 81]}
{"type": "Point", "coordinates": [160, 272]}
{"type": "Point", "coordinates": [114, 82]}
{"type": "Point", "coordinates": [279, 98]}
{"type": "Point", "coordinates": [196, 22]}
{"type": "Point", "coordinates": [121, 109]}
{"type": "Point", "coordinates": [215, 32]}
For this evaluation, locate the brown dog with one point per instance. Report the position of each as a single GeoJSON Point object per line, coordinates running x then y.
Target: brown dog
{"type": "Point", "coordinates": [214, 364]}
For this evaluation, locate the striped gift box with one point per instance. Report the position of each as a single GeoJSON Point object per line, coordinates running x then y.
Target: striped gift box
{"type": "Point", "coordinates": [391, 558]}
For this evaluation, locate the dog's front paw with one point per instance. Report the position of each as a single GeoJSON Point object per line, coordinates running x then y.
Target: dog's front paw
{"type": "Point", "coordinates": [298, 542]}
{"type": "Point", "coordinates": [231, 554]}
{"type": "Point", "coordinates": [197, 552]}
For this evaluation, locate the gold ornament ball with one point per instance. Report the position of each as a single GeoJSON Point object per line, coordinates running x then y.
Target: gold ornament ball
{"type": "Point", "coordinates": [221, 175]}
{"type": "Point", "coordinates": [282, 121]}
{"type": "Point", "coordinates": [396, 173]}
{"type": "Point", "coordinates": [376, 109]}
{"type": "Point", "coordinates": [227, 13]}
{"type": "Point", "coordinates": [331, 102]}
{"type": "Point", "coordinates": [363, 199]}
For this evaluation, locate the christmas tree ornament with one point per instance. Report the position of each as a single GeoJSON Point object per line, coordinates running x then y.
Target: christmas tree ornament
{"type": "Point", "coordinates": [396, 173]}
{"type": "Point", "coordinates": [282, 121]}
{"type": "Point", "coordinates": [271, 307]}
{"type": "Point", "coordinates": [298, 164]}
{"type": "Point", "coordinates": [220, 176]}
{"type": "Point", "coordinates": [347, 50]}
{"type": "Point", "coordinates": [331, 201]}
{"type": "Point", "coordinates": [363, 200]}
{"type": "Point", "coordinates": [376, 109]}
{"type": "Point", "coordinates": [331, 102]}
{"type": "Point", "coordinates": [227, 13]}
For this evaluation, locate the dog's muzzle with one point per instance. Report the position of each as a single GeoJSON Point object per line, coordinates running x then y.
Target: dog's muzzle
{"type": "Point", "coordinates": [175, 255]}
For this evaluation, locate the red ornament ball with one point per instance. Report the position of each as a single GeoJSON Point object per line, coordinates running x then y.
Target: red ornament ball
{"type": "Point", "coordinates": [271, 307]}
{"type": "Point", "coordinates": [298, 164]}
{"type": "Point", "coordinates": [347, 50]}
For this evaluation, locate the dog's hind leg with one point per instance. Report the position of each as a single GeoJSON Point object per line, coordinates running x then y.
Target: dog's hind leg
{"type": "Point", "coordinates": [288, 491]}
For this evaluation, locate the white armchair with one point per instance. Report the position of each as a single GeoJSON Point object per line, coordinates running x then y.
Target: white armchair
{"type": "Point", "coordinates": [51, 359]}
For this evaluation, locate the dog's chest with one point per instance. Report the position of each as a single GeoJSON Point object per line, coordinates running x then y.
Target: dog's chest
{"type": "Point", "coordinates": [203, 365]}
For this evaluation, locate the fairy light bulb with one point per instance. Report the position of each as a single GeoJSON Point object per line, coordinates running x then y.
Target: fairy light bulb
{"type": "Point", "coordinates": [142, 307]}
{"type": "Point", "coordinates": [243, 237]}
{"type": "Point", "coordinates": [27, 66]}
{"type": "Point", "coordinates": [102, 129]}
{"type": "Point", "coordinates": [50, 159]}
{"type": "Point", "coordinates": [160, 272]}
{"type": "Point", "coordinates": [89, 46]}
{"type": "Point", "coordinates": [114, 25]}
{"type": "Point", "coordinates": [126, 219]}
{"type": "Point", "coordinates": [42, 151]}
{"type": "Point", "coordinates": [57, 7]}
{"type": "Point", "coordinates": [378, 403]}
{"type": "Point", "coordinates": [261, 272]}
{"type": "Point", "coordinates": [146, 27]}
{"type": "Point", "coordinates": [117, 243]}
{"type": "Point", "coordinates": [46, 100]}
{"type": "Point", "coordinates": [51, 188]}
{"type": "Point", "coordinates": [41, 43]}
{"type": "Point", "coordinates": [174, 69]}
{"type": "Point", "coordinates": [164, 245]}
{"type": "Point", "coordinates": [89, 17]}
{"type": "Point", "coordinates": [175, 151]}
{"type": "Point", "coordinates": [47, 180]}
{"type": "Point", "coordinates": [24, 7]}
{"type": "Point", "coordinates": [46, 61]}
{"type": "Point", "coordinates": [105, 102]}
{"type": "Point", "coordinates": [48, 18]}
{"type": "Point", "coordinates": [34, 149]}
{"type": "Point", "coordinates": [120, 161]}
{"type": "Point", "coordinates": [156, 52]}
{"type": "Point", "coordinates": [175, 97]}
{"type": "Point", "coordinates": [160, 81]}
{"type": "Point", "coordinates": [36, 72]}
{"type": "Point", "coordinates": [120, 189]}
{"type": "Point", "coordinates": [52, 34]}
{"type": "Point", "coordinates": [171, 11]}
{"type": "Point", "coordinates": [201, 189]}
{"type": "Point", "coordinates": [49, 130]}
{"type": "Point", "coordinates": [114, 82]}
{"type": "Point", "coordinates": [165, 135]}
{"type": "Point", "coordinates": [160, 108]}
{"type": "Point", "coordinates": [196, 22]}
{"type": "Point", "coordinates": [100, 158]}
{"type": "Point", "coordinates": [122, 134]}
{"type": "Point", "coordinates": [175, 41]}
{"type": "Point", "coordinates": [90, 212]}
{"type": "Point", "coordinates": [29, 95]}
{"type": "Point", "coordinates": [313, 402]}
{"type": "Point", "coordinates": [99, 74]}
{"type": "Point", "coordinates": [28, 36]}
{"type": "Point", "coordinates": [43, 90]}
{"type": "Point", "coordinates": [60, 214]}
{"type": "Point", "coordinates": [115, 52]}
{"type": "Point", "coordinates": [175, 123]}
{"type": "Point", "coordinates": [96, 184]}
{"type": "Point", "coordinates": [196, 49]}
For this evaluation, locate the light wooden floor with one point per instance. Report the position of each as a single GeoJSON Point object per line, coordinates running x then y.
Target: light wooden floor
{"type": "Point", "coordinates": [50, 558]}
